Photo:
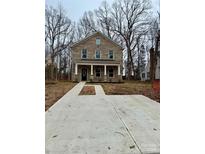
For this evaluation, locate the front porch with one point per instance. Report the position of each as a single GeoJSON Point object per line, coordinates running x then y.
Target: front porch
{"type": "Point", "coordinates": [97, 72]}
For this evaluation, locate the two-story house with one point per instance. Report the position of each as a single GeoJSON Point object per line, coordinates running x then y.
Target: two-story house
{"type": "Point", "coordinates": [97, 58]}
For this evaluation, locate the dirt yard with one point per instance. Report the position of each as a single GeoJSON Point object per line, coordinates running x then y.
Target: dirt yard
{"type": "Point", "coordinates": [55, 90]}
{"type": "Point", "coordinates": [88, 90]}
{"type": "Point", "coordinates": [133, 87]}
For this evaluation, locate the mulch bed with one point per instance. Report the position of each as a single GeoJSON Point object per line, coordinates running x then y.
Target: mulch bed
{"type": "Point", "coordinates": [88, 90]}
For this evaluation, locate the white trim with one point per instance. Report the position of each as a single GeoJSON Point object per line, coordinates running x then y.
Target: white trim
{"type": "Point", "coordinates": [76, 69]}
{"type": "Point", "coordinates": [105, 70]}
{"type": "Point", "coordinates": [91, 70]}
{"type": "Point", "coordinates": [118, 70]}
{"type": "Point", "coordinates": [98, 64]}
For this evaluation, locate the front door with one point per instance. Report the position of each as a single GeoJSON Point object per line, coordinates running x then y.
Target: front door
{"type": "Point", "coordinates": [84, 74]}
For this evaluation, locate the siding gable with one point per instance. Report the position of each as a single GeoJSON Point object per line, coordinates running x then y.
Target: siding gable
{"type": "Point", "coordinates": [90, 45]}
{"type": "Point", "coordinates": [97, 35]}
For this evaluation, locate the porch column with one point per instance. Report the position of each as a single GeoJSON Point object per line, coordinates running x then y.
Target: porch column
{"type": "Point", "coordinates": [105, 72]}
{"type": "Point", "coordinates": [91, 73]}
{"type": "Point", "coordinates": [76, 69]}
{"type": "Point", "coordinates": [119, 70]}
{"type": "Point", "coordinates": [119, 74]}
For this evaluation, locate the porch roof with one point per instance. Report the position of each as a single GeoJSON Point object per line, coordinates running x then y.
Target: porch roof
{"type": "Point", "coordinates": [102, 64]}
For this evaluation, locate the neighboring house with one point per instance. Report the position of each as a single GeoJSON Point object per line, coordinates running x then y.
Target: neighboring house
{"type": "Point", "coordinates": [97, 58]}
{"type": "Point", "coordinates": [145, 75]}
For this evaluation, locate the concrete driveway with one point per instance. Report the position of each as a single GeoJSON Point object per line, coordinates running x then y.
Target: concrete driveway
{"type": "Point", "coordinates": [103, 124]}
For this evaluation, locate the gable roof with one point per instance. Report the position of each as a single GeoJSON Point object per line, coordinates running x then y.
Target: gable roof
{"type": "Point", "coordinates": [97, 32]}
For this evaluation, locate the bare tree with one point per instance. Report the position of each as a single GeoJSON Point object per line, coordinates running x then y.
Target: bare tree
{"type": "Point", "coordinates": [155, 45]}
{"type": "Point", "coordinates": [104, 19]}
{"type": "Point", "coordinates": [59, 33]}
{"type": "Point", "coordinates": [86, 25]}
{"type": "Point", "coordinates": [139, 54]}
{"type": "Point", "coordinates": [64, 64]}
{"type": "Point", "coordinates": [131, 19]}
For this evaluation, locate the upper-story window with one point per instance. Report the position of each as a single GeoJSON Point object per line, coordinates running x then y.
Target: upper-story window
{"type": "Point", "coordinates": [97, 41]}
{"type": "Point", "coordinates": [84, 53]}
{"type": "Point", "coordinates": [97, 54]}
{"type": "Point", "coordinates": [110, 54]}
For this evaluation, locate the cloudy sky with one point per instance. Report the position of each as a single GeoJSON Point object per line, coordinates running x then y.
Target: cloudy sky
{"type": "Point", "coordinates": [76, 8]}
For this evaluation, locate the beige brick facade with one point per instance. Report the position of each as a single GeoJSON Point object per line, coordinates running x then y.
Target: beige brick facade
{"type": "Point", "coordinates": [103, 69]}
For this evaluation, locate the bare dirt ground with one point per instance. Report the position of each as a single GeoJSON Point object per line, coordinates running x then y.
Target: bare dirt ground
{"type": "Point", "coordinates": [54, 90]}
{"type": "Point", "coordinates": [132, 88]}
{"type": "Point", "coordinates": [88, 90]}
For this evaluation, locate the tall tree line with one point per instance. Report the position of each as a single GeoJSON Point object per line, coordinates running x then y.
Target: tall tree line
{"type": "Point", "coordinates": [59, 35]}
{"type": "Point", "coordinates": [128, 22]}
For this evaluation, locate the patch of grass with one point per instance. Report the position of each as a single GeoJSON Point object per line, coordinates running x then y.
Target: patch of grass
{"type": "Point", "coordinates": [87, 90]}
{"type": "Point", "coordinates": [132, 88]}
{"type": "Point", "coordinates": [54, 90]}
{"type": "Point", "coordinates": [50, 82]}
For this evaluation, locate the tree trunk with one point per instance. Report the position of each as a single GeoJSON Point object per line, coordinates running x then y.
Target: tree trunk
{"type": "Point", "coordinates": [52, 68]}
{"type": "Point", "coordinates": [152, 64]}
{"type": "Point", "coordinates": [128, 65]}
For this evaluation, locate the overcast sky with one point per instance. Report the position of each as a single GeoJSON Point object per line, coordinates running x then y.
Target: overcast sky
{"type": "Point", "coordinates": [76, 8]}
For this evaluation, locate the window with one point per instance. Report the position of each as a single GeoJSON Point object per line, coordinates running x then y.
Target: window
{"type": "Point", "coordinates": [97, 54]}
{"type": "Point", "coordinates": [97, 72]}
{"type": "Point", "coordinates": [97, 41]}
{"type": "Point", "coordinates": [143, 75]}
{"type": "Point", "coordinates": [84, 54]}
{"type": "Point", "coordinates": [110, 54]}
{"type": "Point", "coordinates": [110, 72]}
